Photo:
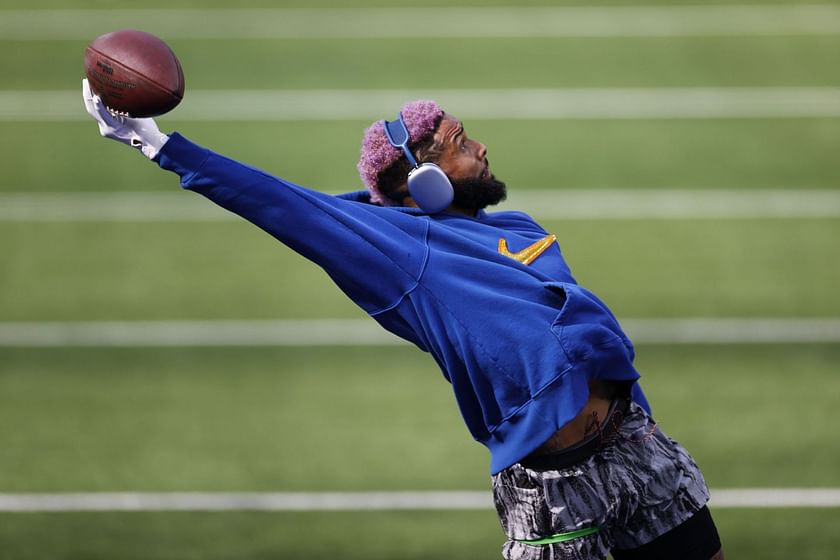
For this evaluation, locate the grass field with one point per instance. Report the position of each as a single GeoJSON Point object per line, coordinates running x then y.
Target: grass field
{"type": "Point", "coordinates": [273, 419]}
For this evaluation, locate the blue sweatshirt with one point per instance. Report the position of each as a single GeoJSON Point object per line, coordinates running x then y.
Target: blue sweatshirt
{"type": "Point", "coordinates": [518, 342]}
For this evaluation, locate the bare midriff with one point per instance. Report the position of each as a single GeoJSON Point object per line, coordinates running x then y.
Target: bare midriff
{"type": "Point", "coordinates": [588, 422]}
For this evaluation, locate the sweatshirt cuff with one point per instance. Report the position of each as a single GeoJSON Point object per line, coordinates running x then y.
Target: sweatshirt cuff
{"type": "Point", "coordinates": [181, 156]}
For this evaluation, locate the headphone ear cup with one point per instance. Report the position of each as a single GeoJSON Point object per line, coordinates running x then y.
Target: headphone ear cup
{"type": "Point", "coordinates": [430, 188]}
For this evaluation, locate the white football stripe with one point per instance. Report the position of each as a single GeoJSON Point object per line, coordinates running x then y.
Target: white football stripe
{"type": "Point", "coordinates": [500, 104]}
{"type": "Point", "coordinates": [565, 204]}
{"type": "Point", "coordinates": [360, 501]}
{"type": "Point", "coordinates": [426, 22]}
{"type": "Point", "coordinates": [365, 332]}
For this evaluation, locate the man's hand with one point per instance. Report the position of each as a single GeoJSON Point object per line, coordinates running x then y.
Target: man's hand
{"type": "Point", "coordinates": [142, 134]}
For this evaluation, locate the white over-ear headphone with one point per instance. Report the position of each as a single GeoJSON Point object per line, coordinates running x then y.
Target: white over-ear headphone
{"type": "Point", "coordinates": [427, 183]}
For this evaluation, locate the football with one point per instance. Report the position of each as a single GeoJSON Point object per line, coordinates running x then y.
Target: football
{"type": "Point", "coordinates": [134, 73]}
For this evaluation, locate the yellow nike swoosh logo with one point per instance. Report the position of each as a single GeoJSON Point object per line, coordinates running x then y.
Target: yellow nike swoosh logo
{"type": "Point", "coordinates": [529, 253]}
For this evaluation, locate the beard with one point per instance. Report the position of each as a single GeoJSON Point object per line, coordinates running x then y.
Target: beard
{"type": "Point", "coordinates": [478, 194]}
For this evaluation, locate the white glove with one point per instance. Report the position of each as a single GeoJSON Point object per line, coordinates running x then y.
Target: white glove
{"type": "Point", "coordinates": [142, 134]}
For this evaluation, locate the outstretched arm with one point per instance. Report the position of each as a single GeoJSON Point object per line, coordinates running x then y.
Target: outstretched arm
{"type": "Point", "coordinates": [375, 255]}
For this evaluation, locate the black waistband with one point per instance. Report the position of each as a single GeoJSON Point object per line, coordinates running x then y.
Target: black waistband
{"type": "Point", "coordinates": [586, 448]}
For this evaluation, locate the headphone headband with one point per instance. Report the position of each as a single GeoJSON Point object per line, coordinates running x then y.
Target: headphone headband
{"type": "Point", "coordinates": [397, 133]}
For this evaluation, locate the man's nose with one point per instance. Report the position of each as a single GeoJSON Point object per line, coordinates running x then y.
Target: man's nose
{"type": "Point", "coordinates": [482, 150]}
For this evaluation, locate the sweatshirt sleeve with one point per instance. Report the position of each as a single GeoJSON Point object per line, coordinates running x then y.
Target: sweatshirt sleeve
{"type": "Point", "coordinates": [376, 255]}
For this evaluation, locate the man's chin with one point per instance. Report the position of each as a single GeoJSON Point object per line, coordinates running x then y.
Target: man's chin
{"type": "Point", "coordinates": [478, 194]}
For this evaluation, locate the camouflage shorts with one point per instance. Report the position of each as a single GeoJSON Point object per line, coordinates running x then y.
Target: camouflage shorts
{"type": "Point", "coordinates": [635, 487]}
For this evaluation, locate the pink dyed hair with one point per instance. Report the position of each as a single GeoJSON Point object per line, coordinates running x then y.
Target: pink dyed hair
{"type": "Point", "coordinates": [377, 154]}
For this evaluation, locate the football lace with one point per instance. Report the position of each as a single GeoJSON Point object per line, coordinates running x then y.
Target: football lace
{"type": "Point", "coordinates": [117, 113]}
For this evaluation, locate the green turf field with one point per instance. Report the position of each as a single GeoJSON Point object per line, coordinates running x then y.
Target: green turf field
{"type": "Point", "coordinates": [313, 419]}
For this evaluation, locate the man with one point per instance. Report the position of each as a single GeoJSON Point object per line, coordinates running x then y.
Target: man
{"type": "Point", "coordinates": [540, 368]}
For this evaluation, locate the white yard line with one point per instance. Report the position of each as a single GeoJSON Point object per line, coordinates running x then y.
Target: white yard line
{"type": "Point", "coordinates": [437, 22]}
{"type": "Point", "coordinates": [502, 104]}
{"type": "Point", "coordinates": [365, 332]}
{"type": "Point", "coordinates": [571, 204]}
{"type": "Point", "coordinates": [646, 204]}
{"type": "Point", "coordinates": [776, 497]}
{"type": "Point", "coordinates": [732, 330]}
{"type": "Point", "coordinates": [360, 501]}
{"type": "Point", "coordinates": [308, 332]}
